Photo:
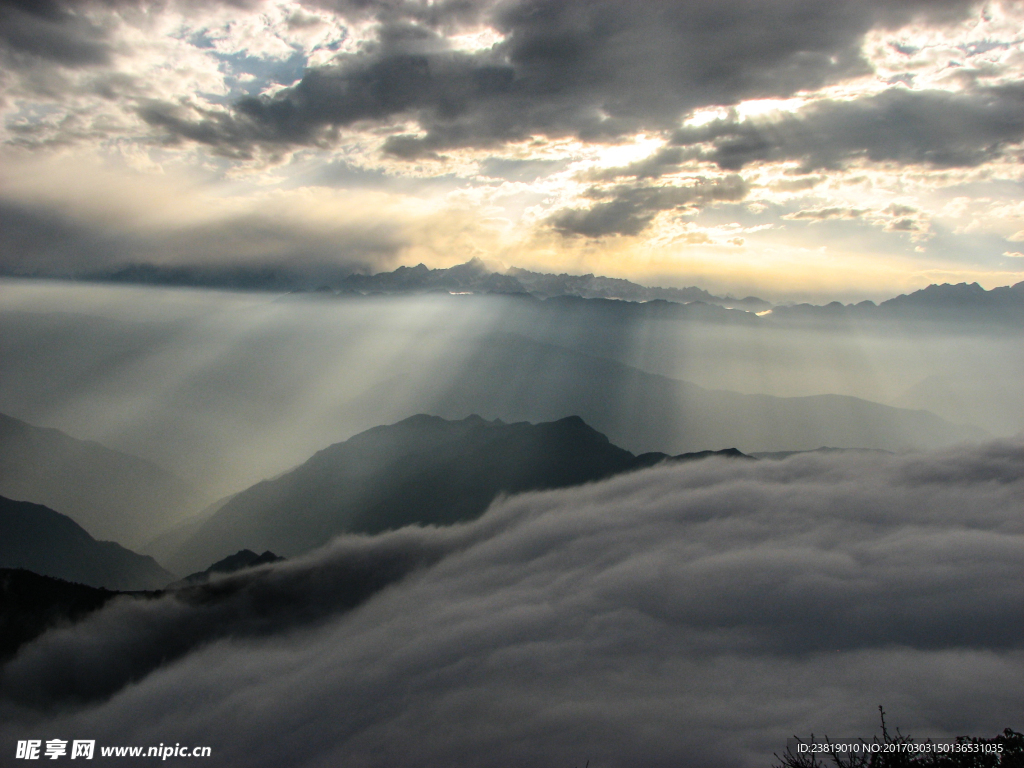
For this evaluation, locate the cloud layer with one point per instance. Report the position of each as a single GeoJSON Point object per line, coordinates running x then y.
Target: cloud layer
{"type": "Point", "coordinates": [670, 142]}
{"type": "Point", "coordinates": [935, 128]}
{"type": "Point", "coordinates": [684, 615]}
{"type": "Point", "coordinates": [592, 70]}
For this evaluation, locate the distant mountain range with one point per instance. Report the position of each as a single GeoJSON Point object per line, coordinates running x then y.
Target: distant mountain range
{"type": "Point", "coordinates": [423, 470]}
{"type": "Point", "coordinates": [46, 542]}
{"type": "Point", "coordinates": [952, 303]}
{"type": "Point", "coordinates": [113, 495]}
{"type": "Point", "coordinates": [590, 287]}
{"type": "Point", "coordinates": [472, 277]}
{"type": "Point", "coordinates": [959, 302]}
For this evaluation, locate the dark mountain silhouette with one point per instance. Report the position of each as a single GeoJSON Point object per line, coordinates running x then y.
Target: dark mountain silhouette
{"type": "Point", "coordinates": [962, 298]}
{"type": "Point", "coordinates": [578, 308]}
{"type": "Point", "coordinates": [941, 303]}
{"type": "Point", "coordinates": [472, 277]}
{"type": "Point", "coordinates": [113, 495]}
{"type": "Point", "coordinates": [423, 470]}
{"type": "Point", "coordinates": [590, 286]}
{"type": "Point", "coordinates": [30, 604]}
{"type": "Point", "coordinates": [46, 542]}
{"type": "Point", "coordinates": [574, 308]}
{"type": "Point", "coordinates": [244, 558]}
{"type": "Point", "coordinates": [960, 303]}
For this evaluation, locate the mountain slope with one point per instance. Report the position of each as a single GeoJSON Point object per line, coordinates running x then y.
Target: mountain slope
{"type": "Point", "coordinates": [30, 604]}
{"type": "Point", "coordinates": [112, 495]}
{"type": "Point", "coordinates": [963, 301]}
{"type": "Point", "coordinates": [423, 470]}
{"type": "Point", "coordinates": [46, 542]}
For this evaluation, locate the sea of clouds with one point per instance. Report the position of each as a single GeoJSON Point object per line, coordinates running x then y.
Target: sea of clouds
{"type": "Point", "coordinates": [686, 615]}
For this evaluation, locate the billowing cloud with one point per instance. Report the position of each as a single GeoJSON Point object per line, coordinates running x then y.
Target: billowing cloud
{"type": "Point", "coordinates": [935, 128]}
{"type": "Point", "coordinates": [259, 602]}
{"type": "Point", "coordinates": [52, 30]}
{"type": "Point", "coordinates": [592, 70]}
{"type": "Point", "coordinates": [628, 209]}
{"type": "Point", "coordinates": [546, 120]}
{"type": "Point", "coordinates": [685, 615]}
{"type": "Point", "coordinates": [893, 218]}
{"type": "Point", "coordinates": [41, 241]}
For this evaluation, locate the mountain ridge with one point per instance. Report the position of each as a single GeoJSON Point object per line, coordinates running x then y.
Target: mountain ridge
{"type": "Point", "coordinates": [44, 541]}
{"type": "Point", "coordinates": [422, 470]}
{"type": "Point", "coordinates": [1006, 303]}
{"type": "Point", "coordinates": [936, 302]}
{"type": "Point", "coordinates": [472, 276]}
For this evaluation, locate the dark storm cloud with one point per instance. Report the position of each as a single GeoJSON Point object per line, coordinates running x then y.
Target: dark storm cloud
{"type": "Point", "coordinates": [597, 70]}
{"type": "Point", "coordinates": [439, 14]}
{"type": "Point", "coordinates": [365, 87]}
{"type": "Point", "coordinates": [686, 615]}
{"type": "Point", "coordinates": [52, 30]}
{"type": "Point", "coordinates": [627, 210]}
{"type": "Point", "coordinates": [935, 128]}
{"type": "Point", "coordinates": [38, 240]}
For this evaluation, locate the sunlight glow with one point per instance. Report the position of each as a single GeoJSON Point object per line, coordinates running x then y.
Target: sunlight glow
{"type": "Point", "coordinates": [478, 40]}
{"type": "Point", "coordinates": [759, 107]}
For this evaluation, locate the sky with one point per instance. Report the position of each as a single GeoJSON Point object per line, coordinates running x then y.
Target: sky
{"type": "Point", "coordinates": [687, 615]}
{"type": "Point", "coordinates": [793, 149]}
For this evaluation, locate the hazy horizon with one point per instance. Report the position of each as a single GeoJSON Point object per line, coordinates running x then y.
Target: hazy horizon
{"type": "Point", "coordinates": [285, 377]}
